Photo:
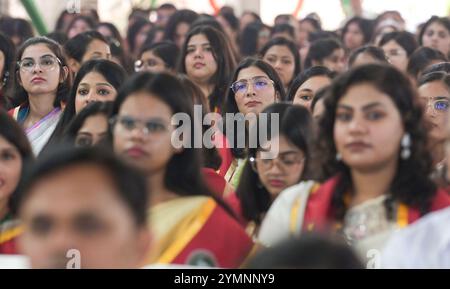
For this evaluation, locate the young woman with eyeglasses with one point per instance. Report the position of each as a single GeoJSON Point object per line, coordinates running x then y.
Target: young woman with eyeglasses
{"type": "Point", "coordinates": [190, 225]}
{"type": "Point", "coordinates": [15, 156]}
{"type": "Point", "coordinates": [434, 94]}
{"type": "Point", "coordinates": [266, 173]}
{"type": "Point", "coordinates": [41, 88]}
{"type": "Point", "coordinates": [254, 86]}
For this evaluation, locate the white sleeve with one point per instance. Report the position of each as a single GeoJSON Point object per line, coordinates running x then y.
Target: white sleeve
{"type": "Point", "coordinates": [424, 244]}
{"type": "Point", "coordinates": [276, 224]}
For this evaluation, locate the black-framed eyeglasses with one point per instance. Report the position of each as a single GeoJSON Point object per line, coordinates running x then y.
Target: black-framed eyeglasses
{"type": "Point", "coordinates": [128, 124]}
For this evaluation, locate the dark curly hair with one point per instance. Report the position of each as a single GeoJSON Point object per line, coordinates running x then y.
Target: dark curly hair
{"type": "Point", "coordinates": [411, 184]}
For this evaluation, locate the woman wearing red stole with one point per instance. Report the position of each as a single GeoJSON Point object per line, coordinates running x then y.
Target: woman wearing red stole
{"type": "Point", "coordinates": [373, 142]}
{"type": "Point", "coordinates": [254, 86]}
{"type": "Point", "coordinates": [212, 159]}
{"type": "Point", "coordinates": [190, 225]}
{"type": "Point", "coordinates": [15, 151]}
{"type": "Point", "coordinates": [277, 162]}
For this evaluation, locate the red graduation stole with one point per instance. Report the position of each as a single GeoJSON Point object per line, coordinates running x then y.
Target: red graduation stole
{"type": "Point", "coordinates": [213, 238]}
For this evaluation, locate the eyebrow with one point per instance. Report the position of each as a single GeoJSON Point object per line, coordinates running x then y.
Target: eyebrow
{"type": "Point", "coordinates": [283, 153]}
{"type": "Point", "coordinates": [153, 119]}
{"type": "Point", "coordinates": [45, 55]}
{"type": "Point", "coordinates": [435, 98]}
{"type": "Point", "coordinates": [306, 90]}
{"type": "Point", "coordinates": [40, 216]}
{"type": "Point", "coordinates": [289, 152]}
{"type": "Point", "coordinates": [103, 83]}
{"type": "Point", "coordinates": [156, 119]}
{"type": "Point", "coordinates": [97, 84]}
{"type": "Point", "coordinates": [197, 44]}
{"type": "Point", "coordinates": [365, 107]}
{"type": "Point", "coordinates": [84, 216]}
{"type": "Point", "coordinates": [441, 98]}
{"type": "Point", "coordinates": [284, 57]}
{"type": "Point", "coordinates": [9, 149]}
{"type": "Point", "coordinates": [257, 76]}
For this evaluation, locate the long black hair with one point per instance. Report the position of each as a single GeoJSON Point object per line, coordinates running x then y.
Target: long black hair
{"type": "Point", "coordinates": [248, 44]}
{"type": "Point", "coordinates": [295, 124]}
{"type": "Point", "coordinates": [11, 131]}
{"type": "Point", "coordinates": [133, 31]}
{"type": "Point", "coordinates": [411, 184]}
{"type": "Point", "coordinates": [211, 157]}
